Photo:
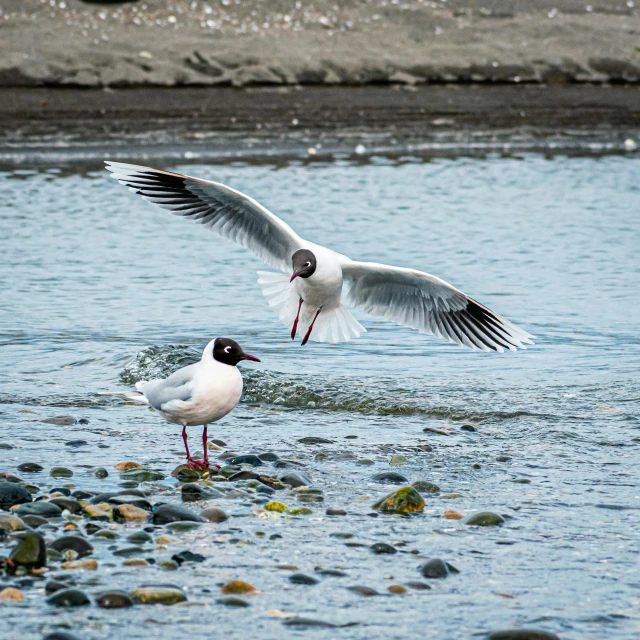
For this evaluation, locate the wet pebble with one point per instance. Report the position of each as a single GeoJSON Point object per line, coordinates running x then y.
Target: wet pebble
{"type": "Point", "coordinates": [68, 598]}
{"type": "Point", "coordinates": [398, 459]}
{"type": "Point", "coordinates": [187, 556]}
{"type": "Point", "coordinates": [390, 477]}
{"type": "Point", "coordinates": [40, 508]}
{"type": "Point", "coordinates": [69, 504]}
{"type": "Point", "coordinates": [238, 586]}
{"type": "Point", "coordinates": [61, 421]}
{"type": "Point", "coordinates": [74, 543]}
{"type": "Point", "coordinates": [437, 568]}
{"type": "Point", "coordinates": [418, 586]}
{"type": "Point", "coordinates": [114, 600]}
{"type": "Point", "coordinates": [54, 585]}
{"type": "Point", "coordinates": [157, 594]}
{"type": "Point", "coordinates": [30, 467]}
{"type": "Point", "coordinates": [243, 475]}
{"type": "Point", "coordinates": [302, 578]}
{"type": "Point", "coordinates": [61, 635]}
{"type": "Point", "coordinates": [425, 487]}
{"type": "Point", "coordinates": [363, 591]}
{"type": "Point", "coordinates": [232, 601]}
{"type": "Point", "coordinates": [139, 537]}
{"type": "Point", "coordinates": [34, 521]}
{"type": "Point", "coordinates": [130, 513]}
{"type": "Point", "coordinates": [332, 573]}
{"type": "Point", "coordinates": [213, 514]}
{"type": "Point", "coordinates": [132, 499]}
{"type": "Point", "coordinates": [167, 513]}
{"type": "Point", "coordinates": [268, 456]}
{"type": "Point", "coordinates": [265, 490]}
{"type": "Point", "coordinates": [403, 500]}
{"type": "Point", "coordinates": [61, 472]}
{"type": "Point", "coordinates": [192, 492]}
{"type": "Point", "coordinates": [143, 475]}
{"type": "Point", "coordinates": [295, 479]}
{"type": "Point", "coordinates": [484, 519]}
{"type": "Point", "coordinates": [101, 472]}
{"type": "Point", "coordinates": [11, 494]}
{"type": "Point", "coordinates": [75, 443]}
{"type": "Point", "coordinates": [336, 512]}
{"type": "Point", "coordinates": [250, 459]}
{"type": "Point", "coordinates": [314, 440]}
{"type": "Point", "coordinates": [396, 588]}
{"type": "Point", "coordinates": [468, 427]}
{"type": "Point", "coordinates": [11, 594]}
{"type": "Point", "coordinates": [10, 522]}
{"type": "Point", "coordinates": [452, 514]}
{"type": "Point", "coordinates": [380, 548]}
{"type": "Point", "coordinates": [30, 552]}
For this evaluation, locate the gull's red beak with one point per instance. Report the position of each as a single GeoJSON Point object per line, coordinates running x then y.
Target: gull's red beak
{"type": "Point", "coordinates": [294, 275]}
{"type": "Point", "coordinates": [248, 356]}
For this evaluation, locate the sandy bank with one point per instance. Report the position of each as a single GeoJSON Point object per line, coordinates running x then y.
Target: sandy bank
{"type": "Point", "coordinates": [240, 43]}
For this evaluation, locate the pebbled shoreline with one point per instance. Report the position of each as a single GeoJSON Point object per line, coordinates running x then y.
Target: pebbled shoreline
{"type": "Point", "coordinates": [413, 42]}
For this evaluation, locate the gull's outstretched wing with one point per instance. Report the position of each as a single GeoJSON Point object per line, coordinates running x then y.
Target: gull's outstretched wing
{"type": "Point", "coordinates": [224, 210]}
{"type": "Point", "coordinates": [430, 305]}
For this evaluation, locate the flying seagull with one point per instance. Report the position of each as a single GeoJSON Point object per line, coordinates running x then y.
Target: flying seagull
{"type": "Point", "coordinates": [198, 394]}
{"type": "Point", "coordinates": [311, 295]}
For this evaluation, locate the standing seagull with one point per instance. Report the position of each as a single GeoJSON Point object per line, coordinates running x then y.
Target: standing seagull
{"type": "Point", "coordinates": [309, 297]}
{"type": "Point", "coordinates": [198, 394]}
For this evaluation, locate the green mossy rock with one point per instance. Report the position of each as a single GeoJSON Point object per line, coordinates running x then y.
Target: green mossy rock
{"type": "Point", "coordinates": [157, 595]}
{"type": "Point", "coordinates": [61, 472]}
{"type": "Point", "coordinates": [30, 553]}
{"type": "Point", "coordinates": [142, 475]}
{"type": "Point", "coordinates": [403, 500]}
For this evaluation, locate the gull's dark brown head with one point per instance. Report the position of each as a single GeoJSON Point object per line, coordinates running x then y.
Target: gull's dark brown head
{"type": "Point", "coordinates": [304, 264]}
{"type": "Point", "coordinates": [230, 352]}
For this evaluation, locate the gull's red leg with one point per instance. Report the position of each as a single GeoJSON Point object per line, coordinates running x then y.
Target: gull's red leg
{"type": "Point", "coordinates": [204, 446]}
{"type": "Point", "coordinates": [186, 444]}
{"type": "Point", "coordinates": [295, 324]}
{"type": "Point", "coordinates": [310, 329]}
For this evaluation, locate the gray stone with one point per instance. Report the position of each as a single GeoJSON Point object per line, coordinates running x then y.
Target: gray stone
{"type": "Point", "coordinates": [390, 477]}
{"type": "Point", "coordinates": [166, 513]}
{"type": "Point", "coordinates": [40, 508]}
{"type": "Point", "coordinates": [302, 578]}
{"type": "Point", "coordinates": [114, 600]}
{"type": "Point", "coordinates": [295, 479]}
{"type": "Point", "coordinates": [437, 568]}
{"type": "Point", "coordinates": [68, 598]}
{"type": "Point", "coordinates": [12, 494]}
{"type": "Point", "coordinates": [80, 545]}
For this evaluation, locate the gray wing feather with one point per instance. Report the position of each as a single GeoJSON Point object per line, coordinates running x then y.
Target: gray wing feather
{"type": "Point", "coordinates": [178, 386]}
{"type": "Point", "coordinates": [430, 305]}
{"type": "Point", "coordinates": [226, 211]}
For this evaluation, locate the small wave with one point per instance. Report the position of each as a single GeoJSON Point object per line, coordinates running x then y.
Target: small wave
{"type": "Point", "coordinates": [372, 396]}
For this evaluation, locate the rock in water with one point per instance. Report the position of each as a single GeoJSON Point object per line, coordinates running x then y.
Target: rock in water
{"type": "Point", "coordinates": [425, 487]}
{"type": "Point", "coordinates": [10, 594]}
{"type": "Point", "coordinates": [160, 594]}
{"type": "Point", "coordinates": [40, 508]}
{"type": "Point", "coordinates": [231, 601]}
{"type": "Point", "coordinates": [31, 553]}
{"type": "Point", "coordinates": [403, 500]}
{"type": "Point", "coordinates": [213, 514]}
{"type": "Point", "coordinates": [484, 519]}
{"type": "Point", "coordinates": [522, 634]}
{"type": "Point", "coordinates": [114, 600]}
{"type": "Point", "coordinates": [166, 513]}
{"type": "Point", "coordinates": [251, 459]}
{"type": "Point", "coordinates": [60, 472]}
{"type": "Point", "coordinates": [68, 598]}
{"type": "Point", "coordinates": [192, 492]}
{"type": "Point", "coordinates": [302, 578]}
{"type": "Point", "coordinates": [61, 635]}
{"type": "Point", "coordinates": [12, 493]}
{"type": "Point", "coordinates": [380, 548]}
{"type": "Point", "coordinates": [295, 479]}
{"type": "Point", "coordinates": [436, 568]}
{"type": "Point", "coordinates": [75, 543]}
{"type": "Point", "coordinates": [238, 586]}
{"type": "Point", "coordinates": [389, 477]}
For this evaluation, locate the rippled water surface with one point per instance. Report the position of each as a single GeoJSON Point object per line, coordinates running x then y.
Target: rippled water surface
{"type": "Point", "coordinates": [99, 289]}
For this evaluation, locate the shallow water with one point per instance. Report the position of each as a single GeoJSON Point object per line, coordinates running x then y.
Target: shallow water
{"type": "Point", "coordinates": [100, 288]}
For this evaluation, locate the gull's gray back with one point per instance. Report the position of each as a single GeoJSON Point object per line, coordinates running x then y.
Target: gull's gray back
{"type": "Point", "coordinates": [178, 386]}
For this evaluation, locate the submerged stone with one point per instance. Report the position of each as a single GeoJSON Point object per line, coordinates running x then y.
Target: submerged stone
{"type": "Point", "coordinates": [425, 487]}
{"type": "Point", "coordinates": [30, 553]}
{"type": "Point", "coordinates": [363, 591]}
{"type": "Point", "coordinates": [302, 578]}
{"type": "Point", "coordinates": [295, 479]}
{"type": "Point", "coordinates": [238, 586]}
{"type": "Point", "coordinates": [232, 601]}
{"type": "Point", "coordinates": [192, 492]}
{"type": "Point", "coordinates": [437, 568]}
{"type": "Point", "coordinates": [389, 477]}
{"type": "Point", "coordinates": [11, 494]}
{"type": "Point", "coordinates": [68, 598]}
{"type": "Point", "coordinates": [484, 519]}
{"type": "Point", "coordinates": [398, 459]}
{"type": "Point", "coordinates": [396, 588]}
{"type": "Point", "coordinates": [30, 467]}
{"type": "Point", "coordinates": [61, 472]}
{"type": "Point", "coordinates": [403, 500]}
{"type": "Point", "coordinates": [75, 543]}
{"type": "Point", "coordinates": [166, 513]}
{"type": "Point", "coordinates": [114, 600]}
{"type": "Point", "coordinates": [101, 472]}
{"type": "Point", "coordinates": [213, 514]}
{"type": "Point", "coordinates": [68, 504]}
{"type": "Point", "coordinates": [272, 505]}
{"type": "Point", "coordinates": [143, 475]}
{"type": "Point", "coordinates": [380, 548]}
{"type": "Point", "coordinates": [11, 523]}
{"type": "Point", "coordinates": [160, 594]}
{"type": "Point", "coordinates": [40, 508]}
{"type": "Point", "coordinates": [11, 594]}
{"type": "Point", "coordinates": [129, 513]}
{"type": "Point", "coordinates": [315, 440]}
{"type": "Point", "coordinates": [251, 459]}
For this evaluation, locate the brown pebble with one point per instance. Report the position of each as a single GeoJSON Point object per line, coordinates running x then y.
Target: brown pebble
{"type": "Point", "coordinates": [238, 586]}
{"type": "Point", "coordinates": [135, 562]}
{"type": "Point", "coordinates": [452, 514]}
{"type": "Point", "coordinates": [11, 595]}
{"type": "Point", "coordinates": [213, 514]}
{"type": "Point", "coordinates": [125, 466]}
{"type": "Point", "coordinates": [80, 564]}
{"type": "Point", "coordinates": [130, 513]}
{"type": "Point", "coordinates": [396, 588]}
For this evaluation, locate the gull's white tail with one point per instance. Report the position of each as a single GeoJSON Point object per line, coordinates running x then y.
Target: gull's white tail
{"type": "Point", "coordinates": [333, 326]}
{"type": "Point", "coordinates": [136, 396]}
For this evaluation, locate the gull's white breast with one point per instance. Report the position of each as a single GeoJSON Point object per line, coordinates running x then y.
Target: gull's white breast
{"type": "Point", "coordinates": [216, 392]}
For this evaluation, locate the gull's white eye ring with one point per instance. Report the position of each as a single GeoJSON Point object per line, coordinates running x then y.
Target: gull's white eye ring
{"type": "Point", "coordinates": [307, 264]}
{"type": "Point", "coordinates": [227, 349]}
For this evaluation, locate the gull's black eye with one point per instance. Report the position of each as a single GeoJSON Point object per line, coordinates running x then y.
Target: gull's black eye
{"type": "Point", "coordinates": [307, 264]}
{"type": "Point", "coordinates": [227, 349]}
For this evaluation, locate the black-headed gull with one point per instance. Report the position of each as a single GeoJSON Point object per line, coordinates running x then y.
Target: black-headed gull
{"type": "Point", "coordinates": [310, 297]}
{"type": "Point", "coordinates": [198, 394]}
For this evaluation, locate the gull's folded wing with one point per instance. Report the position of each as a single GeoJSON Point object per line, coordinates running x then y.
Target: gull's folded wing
{"type": "Point", "coordinates": [224, 210]}
{"type": "Point", "coordinates": [430, 305]}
